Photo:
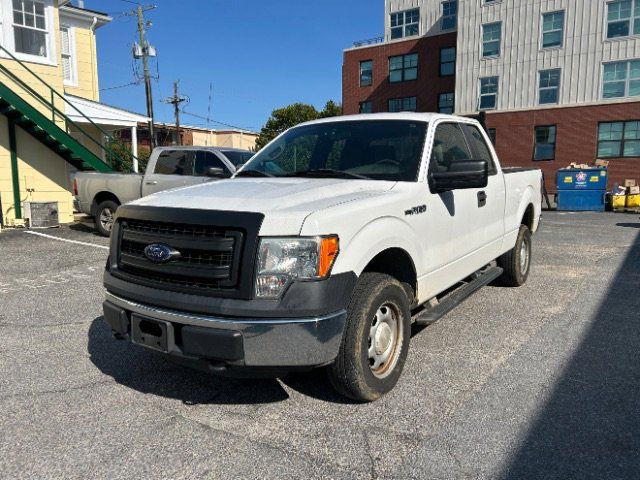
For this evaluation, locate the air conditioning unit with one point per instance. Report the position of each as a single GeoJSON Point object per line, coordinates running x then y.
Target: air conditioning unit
{"type": "Point", "coordinates": [41, 214]}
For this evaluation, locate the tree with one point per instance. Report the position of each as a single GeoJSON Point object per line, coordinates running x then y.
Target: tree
{"type": "Point", "coordinates": [331, 109]}
{"type": "Point", "coordinates": [283, 118]}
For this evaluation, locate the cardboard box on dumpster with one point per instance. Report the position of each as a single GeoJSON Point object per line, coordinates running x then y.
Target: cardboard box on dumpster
{"type": "Point", "coordinates": [629, 182]}
{"type": "Point", "coordinates": [601, 163]}
{"type": "Point", "coordinates": [634, 190]}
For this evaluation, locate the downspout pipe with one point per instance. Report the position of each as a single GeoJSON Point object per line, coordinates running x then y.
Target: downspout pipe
{"type": "Point", "coordinates": [14, 168]}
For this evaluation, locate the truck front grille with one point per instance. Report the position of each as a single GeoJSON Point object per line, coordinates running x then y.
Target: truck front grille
{"type": "Point", "coordinates": [209, 257]}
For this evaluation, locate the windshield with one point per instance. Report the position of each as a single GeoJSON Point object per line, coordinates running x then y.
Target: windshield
{"type": "Point", "coordinates": [373, 149]}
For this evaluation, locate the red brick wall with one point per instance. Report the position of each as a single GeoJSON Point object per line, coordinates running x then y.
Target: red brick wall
{"type": "Point", "coordinates": [426, 88]}
{"type": "Point", "coordinates": [576, 138]}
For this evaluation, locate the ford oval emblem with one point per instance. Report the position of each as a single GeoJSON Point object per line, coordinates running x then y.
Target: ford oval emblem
{"type": "Point", "coordinates": [160, 252]}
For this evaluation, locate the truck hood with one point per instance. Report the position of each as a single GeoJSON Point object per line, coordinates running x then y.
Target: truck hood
{"type": "Point", "coordinates": [285, 202]}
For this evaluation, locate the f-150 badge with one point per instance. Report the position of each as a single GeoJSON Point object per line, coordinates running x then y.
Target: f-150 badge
{"type": "Point", "coordinates": [416, 210]}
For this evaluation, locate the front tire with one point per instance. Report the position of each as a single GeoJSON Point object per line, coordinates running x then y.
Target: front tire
{"type": "Point", "coordinates": [105, 214]}
{"type": "Point", "coordinates": [516, 263]}
{"type": "Point", "coordinates": [376, 339]}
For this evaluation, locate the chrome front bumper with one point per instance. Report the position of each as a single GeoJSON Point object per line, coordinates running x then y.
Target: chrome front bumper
{"type": "Point", "coordinates": [265, 342]}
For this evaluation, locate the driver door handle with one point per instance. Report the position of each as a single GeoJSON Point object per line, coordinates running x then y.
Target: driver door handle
{"type": "Point", "coordinates": [151, 182]}
{"type": "Point", "coordinates": [482, 198]}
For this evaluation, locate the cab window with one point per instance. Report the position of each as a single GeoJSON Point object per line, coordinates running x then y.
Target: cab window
{"type": "Point", "coordinates": [449, 146]}
{"type": "Point", "coordinates": [482, 152]}
{"type": "Point", "coordinates": [206, 160]}
{"type": "Point", "coordinates": [174, 162]}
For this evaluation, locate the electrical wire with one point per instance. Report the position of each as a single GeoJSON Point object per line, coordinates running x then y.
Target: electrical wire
{"type": "Point", "coordinates": [215, 121]}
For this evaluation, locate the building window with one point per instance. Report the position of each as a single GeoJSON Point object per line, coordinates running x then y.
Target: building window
{"type": "Point", "coordinates": [366, 107]}
{"type": "Point", "coordinates": [623, 18]}
{"type": "Point", "coordinates": [30, 27]}
{"type": "Point", "coordinates": [447, 61]}
{"type": "Point", "coordinates": [619, 139]}
{"type": "Point", "coordinates": [545, 138]}
{"type": "Point", "coordinates": [66, 41]}
{"type": "Point", "coordinates": [403, 68]}
{"type": "Point", "coordinates": [491, 39]}
{"type": "Point", "coordinates": [405, 23]}
{"type": "Point", "coordinates": [449, 14]}
{"type": "Point", "coordinates": [488, 93]}
{"type": "Point", "coordinates": [407, 104]}
{"type": "Point", "coordinates": [492, 135]}
{"type": "Point", "coordinates": [446, 103]}
{"type": "Point", "coordinates": [552, 29]}
{"type": "Point", "coordinates": [366, 73]}
{"type": "Point", "coordinates": [489, 2]}
{"type": "Point", "coordinates": [549, 86]}
{"type": "Point", "coordinates": [621, 79]}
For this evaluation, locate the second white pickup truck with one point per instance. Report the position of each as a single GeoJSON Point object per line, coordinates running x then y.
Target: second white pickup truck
{"type": "Point", "coordinates": [323, 249]}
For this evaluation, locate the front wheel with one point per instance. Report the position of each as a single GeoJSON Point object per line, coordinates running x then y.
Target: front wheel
{"type": "Point", "coordinates": [375, 341]}
{"type": "Point", "coordinates": [105, 214]}
{"type": "Point", "coordinates": [517, 261]}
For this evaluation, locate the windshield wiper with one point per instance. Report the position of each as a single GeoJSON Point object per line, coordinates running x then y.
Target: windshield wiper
{"type": "Point", "coordinates": [253, 173]}
{"type": "Point", "coordinates": [327, 173]}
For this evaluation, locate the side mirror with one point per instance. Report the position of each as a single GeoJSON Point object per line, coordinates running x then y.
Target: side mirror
{"type": "Point", "coordinates": [467, 174]}
{"type": "Point", "coordinates": [215, 172]}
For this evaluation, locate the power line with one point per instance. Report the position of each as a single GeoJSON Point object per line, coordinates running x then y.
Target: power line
{"type": "Point", "coordinates": [215, 121]}
{"type": "Point", "coordinates": [130, 84]}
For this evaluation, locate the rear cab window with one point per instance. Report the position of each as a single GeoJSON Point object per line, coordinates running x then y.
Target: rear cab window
{"type": "Point", "coordinates": [174, 162]}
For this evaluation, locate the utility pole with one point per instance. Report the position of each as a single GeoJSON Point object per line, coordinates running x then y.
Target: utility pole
{"type": "Point", "coordinates": [176, 100]}
{"type": "Point", "coordinates": [145, 65]}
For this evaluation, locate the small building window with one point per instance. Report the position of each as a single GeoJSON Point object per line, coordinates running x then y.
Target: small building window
{"type": "Point", "coordinates": [619, 139]}
{"type": "Point", "coordinates": [366, 73]}
{"type": "Point", "coordinates": [30, 27]}
{"type": "Point", "coordinates": [492, 135]}
{"type": "Point", "coordinates": [449, 15]}
{"type": "Point", "coordinates": [68, 70]}
{"type": "Point", "coordinates": [446, 103]}
{"type": "Point", "coordinates": [491, 39]}
{"type": "Point", "coordinates": [403, 68]}
{"type": "Point", "coordinates": [545, 143]}
{"type": "Point", "coordinates": [621, 79]}
{"type": "Point", "coordinates": [552, 29]}
{"type": "Point", "coordinates": [447, 61]}
{"type": "Point", "coordinates": [407, 104]}
{"type": "Point", "coordinates": [549, 86]}
{"type": "Point", "coordinates": [623, 18]}
{"type": "Point", "coordinates": [488, 93]}
{"type": "Point", "coordinates": [366, 107]}
{"type": "Point", "coordinates": [405, 23]}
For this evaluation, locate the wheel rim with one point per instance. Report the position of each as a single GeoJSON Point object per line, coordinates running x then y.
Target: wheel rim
{"type": "Point", "coordinates": [385, 340]}
{"type": "Point", "coordinates": [106, 219]}
{"type": "Point", "coordinates": [524, 256]}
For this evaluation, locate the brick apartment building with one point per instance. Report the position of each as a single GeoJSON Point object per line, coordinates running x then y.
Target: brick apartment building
{"type": "Point", "coordinates": [558, 81]}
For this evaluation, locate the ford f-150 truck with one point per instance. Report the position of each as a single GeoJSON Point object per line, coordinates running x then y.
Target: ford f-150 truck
{"type": "Point", "coordinates": [323, 249]}
{"type": "Point", "coordinates": [100, 194]}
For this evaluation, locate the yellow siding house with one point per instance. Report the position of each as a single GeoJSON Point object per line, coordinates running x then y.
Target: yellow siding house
{"type": "Point", "coordinates": [51, 120]}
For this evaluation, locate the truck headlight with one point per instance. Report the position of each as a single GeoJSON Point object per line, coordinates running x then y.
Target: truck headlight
{"type": "Point", "coordinates": [282, 260]}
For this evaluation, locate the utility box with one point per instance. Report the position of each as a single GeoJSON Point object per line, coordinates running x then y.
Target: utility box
{"type": "Point", "coordinates": [582, 189]}
{"type": "Point", "coordinates": [41, 214]}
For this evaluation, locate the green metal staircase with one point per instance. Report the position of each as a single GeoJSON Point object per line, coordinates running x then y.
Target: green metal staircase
{"type": "Point", "coordinates": [24, 115]}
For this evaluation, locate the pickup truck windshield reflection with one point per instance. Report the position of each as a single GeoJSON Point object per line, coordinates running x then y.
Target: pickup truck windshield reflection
{"type": "Point", "coordinates": [372, 149]}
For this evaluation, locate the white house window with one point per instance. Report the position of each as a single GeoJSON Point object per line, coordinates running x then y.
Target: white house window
{"type": "Point", "coordinates": [488, 93]}
{"type": "Point", "coordinates": [621, 79]}
{"type": "Point", "coordinates": [491, 39]}
{"type": "Point", "coordinates": [30, 27]}
{"type": "Point", "coordinates": [68, 70]}
{"type": "Point", "coordinates": [405, 23]}
{"type": "Point", "coordinates": [623, 18]}
{"type": "Point", "coordinates": [552, 29]}
{"type": "Point", "coordinates": [449, 14]}
{"type": "Point", "coordinates": [549, 86]}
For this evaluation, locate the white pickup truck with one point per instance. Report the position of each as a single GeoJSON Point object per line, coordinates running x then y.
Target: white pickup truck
{"type": "Point", "coordinates": [323, 249]}
{"type": "Point", "coordinates": [100, 194]}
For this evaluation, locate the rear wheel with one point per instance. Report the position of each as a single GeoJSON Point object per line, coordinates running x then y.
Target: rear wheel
{"type": "Point", "coordinates": [376, 339]}
{"type": "Point", "coordinates": [517, 261]}
{"type": "Point", "coordinates": [105, 214]}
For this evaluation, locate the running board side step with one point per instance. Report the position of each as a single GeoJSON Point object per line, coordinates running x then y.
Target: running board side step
{"type": "Point", "coordinates": [448, 303]}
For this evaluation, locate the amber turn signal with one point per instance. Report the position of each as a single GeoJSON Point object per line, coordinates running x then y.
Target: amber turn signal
{"type": "Point", "coordinates": [329, 248]}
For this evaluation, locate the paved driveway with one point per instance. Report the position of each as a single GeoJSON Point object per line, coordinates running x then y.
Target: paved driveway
{"type": "Point", "coordinates": [537, 382]}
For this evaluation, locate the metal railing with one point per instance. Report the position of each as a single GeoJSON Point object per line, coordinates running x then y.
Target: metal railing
{"type": "Point", "coordinates": [56, 112]}
{"type": "Point", "coordinates": [368, 41]}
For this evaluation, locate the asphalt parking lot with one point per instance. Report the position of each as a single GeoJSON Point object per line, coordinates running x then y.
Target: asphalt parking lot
{"type": "Point", "coordinates": [537, 382]}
